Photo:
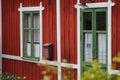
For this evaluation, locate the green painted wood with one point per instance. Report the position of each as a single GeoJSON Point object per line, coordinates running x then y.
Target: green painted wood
{"type": "Point", "coordinates": [30, 28]}
{"type": "Point", "coordinates": [94, 35]}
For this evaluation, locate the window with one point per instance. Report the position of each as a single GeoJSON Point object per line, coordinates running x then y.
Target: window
{"type": "Point", "coordinates": [94, 36]}
{"type": "Point", "coordinates": [31, 34]}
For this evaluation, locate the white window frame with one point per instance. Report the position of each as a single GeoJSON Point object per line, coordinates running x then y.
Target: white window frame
{"type": "Point", "coordinates": [38, 8]}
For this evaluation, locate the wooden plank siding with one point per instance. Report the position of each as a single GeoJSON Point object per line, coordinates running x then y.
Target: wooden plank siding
{"type": "Point", "coordinates": [116, 32]}
{"type": "Point", "coordinates": [68, 31]}
{"type": "Point", "coordinates": [30, 70]}
{"type": "Point", "coordinates": [12, 67]}
{"type": "Point", "coordinates": [71, 72]}
{"type": "Point", "coordinates": [11, 35]}
{"type": "Point", "coordinates": [11, 24]}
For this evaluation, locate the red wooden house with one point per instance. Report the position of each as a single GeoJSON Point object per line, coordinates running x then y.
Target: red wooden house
{"type": "Point", "coordinates": [76, 30]}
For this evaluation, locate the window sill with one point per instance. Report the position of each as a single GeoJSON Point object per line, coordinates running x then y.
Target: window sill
{"type": "Point", "coordinates": [30, 58]}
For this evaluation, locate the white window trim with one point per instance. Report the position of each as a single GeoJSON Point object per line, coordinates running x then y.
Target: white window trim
{"type": "Point", "coordinates": [0, 36]}
{"type": "Point", "coordinates": [108, 5]}
{"type": "Point", "coordinates": [96, 5]}
{"type": "Point", "coordinates": [40, 9]}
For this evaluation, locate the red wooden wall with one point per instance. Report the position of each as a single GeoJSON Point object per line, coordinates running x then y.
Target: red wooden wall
{"type": "Point", "coordinates": [30, 70]}
{"type": "Point", "coordinates": [11, 24]}
{"type": "Point", "coordinates": [11, 35]}
{"type": "Point", "coordinates": [116, 31]}
{"type": "Point", "coordinates": [69, 30]}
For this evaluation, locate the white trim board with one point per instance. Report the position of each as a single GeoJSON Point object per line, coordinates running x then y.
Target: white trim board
{"type": "Point", "coordinates": [31, 8]}
{"type": "Point", "coordinates": [96, 5]}
{"type": "Point", "coordinates": [54, 63]}
{"type": "Point", "coordinates": [58, 39]}
{"type": "Point", "coordinates": [110, 35]}
{"type": "Point", "coordinates": [78, 44]}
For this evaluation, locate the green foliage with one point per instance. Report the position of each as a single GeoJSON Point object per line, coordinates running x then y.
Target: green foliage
{"type": "Point", "coordinates": [7, 76]}
{"type": "Point", "coordinates": [114, 77]}
{"type": "Point", "coordinates": [117, 58]}
{"type": "Point", "coordinates": [68, 73]}
{"type": "Point", "coordinates": [95, 72]}
{"type": "Point", "coordinates": [47, 71]}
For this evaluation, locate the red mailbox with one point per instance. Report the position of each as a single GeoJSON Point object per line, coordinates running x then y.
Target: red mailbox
{"type": "Point", "coordinates": [48, 51]}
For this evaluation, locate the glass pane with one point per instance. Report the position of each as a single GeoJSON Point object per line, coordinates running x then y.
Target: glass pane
{"type": "Point", "coordinates": [27, 44]}
{"type": "Point", "coordinates": [87, 21]}
{"type": "Point", "coordinates": [36, 20]}
{"type": "Point", "coordinates": [101, 20]}
{"type": "Point", "coordinates": [36, 49]}
{"type": "Point", "coordinates": [36, 43]}
{"type": "Point", "coordinates": [88, 47]}
{"type": "Point", "coordinates": [27, 20]}
{"type": "Point", "coordinates": [101, 48]}
{"type": "Point", "coordinates": [36, 36]}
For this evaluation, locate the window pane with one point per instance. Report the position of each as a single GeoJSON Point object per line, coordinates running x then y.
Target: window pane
{"type": "Point", "coordinates": [36, 43]}
{"type": "Point", "coordinates": [36, 49]}
{"type": "Point", "coordinates": [101, 20]}
{"type": "Point", "coordinates": [27, 44]}
{"type": "Point", "coordinates": [36, 20]}
{"type": "Point", "coordinates": [36, 36]}
{"type": "Point", "coordinates": [87, 21]}
{"type": "Point", "coordinates": [101, 48]}
{"type": "Point", "coordinates": [26, 20]}
{"type": "Point", "coordinates": [88, 47]}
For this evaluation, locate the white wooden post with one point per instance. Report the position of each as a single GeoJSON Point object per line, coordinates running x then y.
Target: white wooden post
{"type": "Point", "coordinates": [110, 4]}
{"type": "Point", "coordinates": [78, 42]}
{"type": "Point", "coordinates": [58, 39]}
{"type": "Point", "coordinates": [21, 45]}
